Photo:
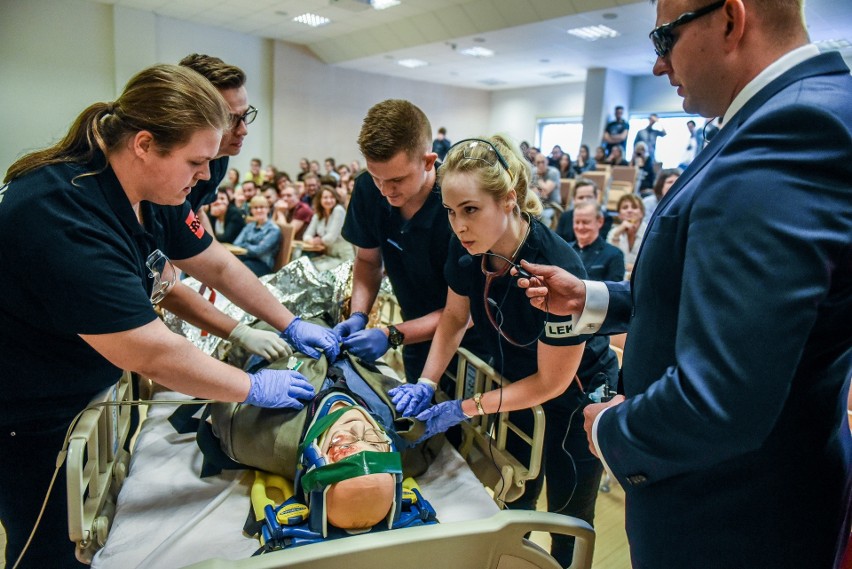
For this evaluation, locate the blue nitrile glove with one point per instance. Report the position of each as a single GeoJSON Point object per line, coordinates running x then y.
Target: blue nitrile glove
{"type": "Point", "coordinates": [412, 398]}
{"type": "Point", "coordinates": [355, 323]}
{"type": "Point", "coordinates": [278, 388]}
{"type": "Point", "coordinates": [307, 338]}
{"type": "Point", "coordinates": [368, 344]}
{"type": "Point", "coordinates": [441, 417]}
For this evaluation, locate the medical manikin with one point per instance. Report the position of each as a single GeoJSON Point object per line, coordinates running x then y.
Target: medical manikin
{"type": "Point", "coordinates": [346, 452]}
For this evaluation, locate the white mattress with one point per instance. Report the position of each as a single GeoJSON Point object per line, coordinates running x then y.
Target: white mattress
{"type": "Point", "coordinates": [167, 516]}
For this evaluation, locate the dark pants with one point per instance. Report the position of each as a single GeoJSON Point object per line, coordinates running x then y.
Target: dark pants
{"type": "Point", "coordinates": [27, 461]}
{"type": "Point", "coordinates": [573, 473]}
{"type": "Point", "coordinates": [258, 267]}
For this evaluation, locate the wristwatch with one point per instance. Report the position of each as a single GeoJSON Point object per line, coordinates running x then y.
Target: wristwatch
{"type": "Point", "coordinates": [395, 337]}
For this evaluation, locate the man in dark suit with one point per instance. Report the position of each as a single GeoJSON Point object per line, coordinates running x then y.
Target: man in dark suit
{"type": "Point", "coordinates": [603, 262]}
{"type": "Point", "coordinates": [732, 443]}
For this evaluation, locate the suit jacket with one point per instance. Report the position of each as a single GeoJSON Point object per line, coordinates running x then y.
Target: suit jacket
{"type": "Point", "coordinates": [733, 446]}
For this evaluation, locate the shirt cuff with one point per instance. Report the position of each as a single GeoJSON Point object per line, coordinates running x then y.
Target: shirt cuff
{"type": "Point", "coordinates": [594, 313]}
{"type": "Point", "coordinates": [595, 440]}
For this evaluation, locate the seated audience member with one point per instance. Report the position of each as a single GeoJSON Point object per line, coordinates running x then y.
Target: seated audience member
{"type": "Point", "coordinates": [585, 190]}
{"type": "Point", "coordinates": [312, 184]}
{"type": "Point", "coordinates": [304, 169]}
{"type": "Point", "coordinates": [566, 170]}
{"type": "Point", "coordinates": [628, 234]}
{"type": "Point", "coordinates": [325, 230]}
{"type": "Point", "coordinates": [254, 174]}
{"type": "Point", "coordinates": [616, 157]}
{"type": "Point", "coordinates": [331, 171]}
{"type": "Point", "coordinates": [289, 210]}
{"type": "Point", "coordinates": [270, 173]}
{"type": "Point", "coordinates": [584, 161]}
{"type": "Point", "coordinates": [645, 165]}
{"type": "Point", "coordinates": [603, 261]}
{"type": "Point", "coordinates": [249, 191]}
{"type": "Point", "coordinates": [282, 180]}
{"type": "Point", "coordinates": [239, 201]}
{"type": "Point", "coordinates": [226, 219]}
{"type": "Point", "coordinates": [600, 156]}
{"type": "Point", "coordinates": [232, 179]}
{"type": "Point", "coordinates": [270, 192]}
{"type": "Point", "coordinates": [555, 156]}
{"type": "Point", "coordinates": [664, 182]}
{"type": "Point", "coordinates": [546, 184]}
{"type": "Point", "coordinates": [260, 238]}
{"type": "Point", "coordinates": [355, 168]}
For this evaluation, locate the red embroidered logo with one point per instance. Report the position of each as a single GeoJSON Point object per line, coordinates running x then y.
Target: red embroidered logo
{"type": "Point", "coordinates": [194, 225]}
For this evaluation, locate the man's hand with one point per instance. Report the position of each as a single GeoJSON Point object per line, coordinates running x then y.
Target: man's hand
{"type": "Point", "coordinates": [552, 289]}
{"type": "Point", "coordinates": [591, 412]}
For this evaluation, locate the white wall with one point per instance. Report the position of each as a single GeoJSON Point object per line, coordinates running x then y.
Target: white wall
{"type": "Point", "coordinates": [56, 58]}
{"type": "Point", "coordinates": [319, 109]}
{"type": "Point", "coordinates": [515, 111]}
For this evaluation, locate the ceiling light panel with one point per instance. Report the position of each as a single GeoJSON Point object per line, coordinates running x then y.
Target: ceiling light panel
{"type": "Point", "coordinates": [312, 20]}
{"type": "Point", "coordinates": [477, 51]}
{"type": "Point", "coordinates": [594, 33]}
{"type": "Point", "coordinates": [412, 63]}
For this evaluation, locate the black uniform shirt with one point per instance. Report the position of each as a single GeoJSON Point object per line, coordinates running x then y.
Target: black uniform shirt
{"type": "Point", "coordinates": [517, 317]}
{"type": "Point", "coordinates": [413, 251]}
{"type": "Point", "coordinates": [73, 258]}
{"type": "Point", "coordinates": [204, 192]}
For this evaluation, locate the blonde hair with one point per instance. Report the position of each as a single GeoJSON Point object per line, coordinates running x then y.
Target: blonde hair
{"type": "Point", "coordinates": [492, 177]}
{"type": "Point", "coordinates": [169, 101]}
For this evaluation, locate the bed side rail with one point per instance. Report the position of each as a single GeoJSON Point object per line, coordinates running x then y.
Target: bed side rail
{"type": "Point", "coordinates": [95, 469]}
{"type": "Point", "coordinates": [482, 448]}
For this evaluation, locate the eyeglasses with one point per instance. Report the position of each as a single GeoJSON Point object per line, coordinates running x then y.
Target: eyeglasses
{"type": "Point", "coordinates": [482, 150]}
{"type": "Point", "coordinates": [160, 269]}
{"type": "Point", "coordinates": [373, 437]}
{"type": "Point", "coordinates": [663, 38]}
{"type": "Point", "coordinates": [247, 117]}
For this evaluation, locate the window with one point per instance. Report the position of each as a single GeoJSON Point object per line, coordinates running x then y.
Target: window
{"type": "Point", "coordinates": [672, 147]}
{"type": "Point", "coordinates": [565, 132]}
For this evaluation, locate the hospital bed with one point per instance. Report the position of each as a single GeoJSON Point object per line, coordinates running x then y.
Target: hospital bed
{"type": "Point", "coordinates": [155, 511]}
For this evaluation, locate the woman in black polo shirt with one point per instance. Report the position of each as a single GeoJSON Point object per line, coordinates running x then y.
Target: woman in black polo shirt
{"type": "Point", "coordinates": [484, 185]}
{"type": "Point", "coordinates": [85, 253]}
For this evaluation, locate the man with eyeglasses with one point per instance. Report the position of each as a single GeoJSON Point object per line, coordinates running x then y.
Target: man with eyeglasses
{"type": "Point", "coordinates": [398, 222]}
{"type": "Point", "coordinates": [733, 444]}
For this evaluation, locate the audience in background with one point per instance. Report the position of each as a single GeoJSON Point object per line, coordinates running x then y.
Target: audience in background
{"type": "Point", "coordinates": [693, 146]}
{"type": "Point", "coordinates": [325, 229]}
{"type": "Point", "coordinates": [603, 261]}
{"type": "Point", "coordinates": [628, 234]}
{"type": "Point", "coordinates": [600, 155]}
{"type": "Point", "coordinates": [226, 219]}
{"type": "Point", "coordinates": [249, 191]}
{"type": "Point", "coordinates": [585, 190]}
{"type": "Point", "coordinates": [254, 174]}
{"type": "Point", "coordinates": [290, 210]}
{"type": "Point", "coordinates": [555, 156]}
{"type": "Point", "coordinates": [661, 187]}
{"type": "Point", "coordinates": [566, 170]}
{"type": "Point", "coordinates": [330, 170]}
{"type": "Point", "coordinates": [645, 167]}
{"type": "Point", "coordinates": [615, 132]}
{"type": "Point", "coordinates": [232, 178]}
{"type": "Point", "coordinates": [304, 168]}
{"type": "Point", "coordinates": [546, 184]}
{"type": "Point", "coordinates": [584, 161]}
{"type": "Point", "coordinates": [441, 145]}
{"type": "Point", "coordinates": [649, 136]}
{"type": "Point", "coordinates": [260, 238]}
{"type": "Point", "coordinates": [270, 174]}
{"type": "Point", "coordinates": [616, 157]}
{"type": "Point", "coordinates": [312, 185]}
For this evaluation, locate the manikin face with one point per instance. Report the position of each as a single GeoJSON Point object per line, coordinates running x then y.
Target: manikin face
{"type": "Point", "coordinates": [232, 139]}
{"type": "Point", "coordinates": [480, 222]}
{"type": "Point", "coordinates": [350, 434]}
{"type": "Point", "coordinates": [170, 177]}
{"type": "Point", "coordinates": [401, 178]}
